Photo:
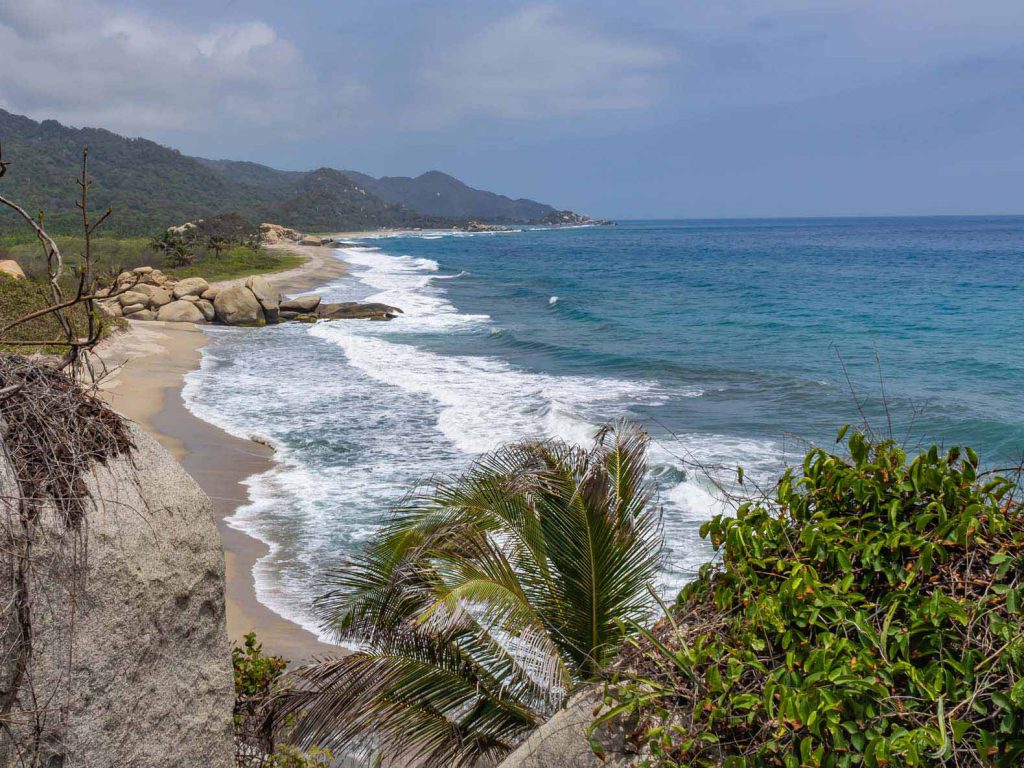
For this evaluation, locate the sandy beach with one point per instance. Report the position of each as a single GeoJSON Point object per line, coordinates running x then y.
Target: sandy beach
{"type": "Point", "coordinates": [146, 367]}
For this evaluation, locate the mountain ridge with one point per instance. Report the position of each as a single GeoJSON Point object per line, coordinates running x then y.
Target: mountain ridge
{"type": "Point", "coordinates": [152, 186]}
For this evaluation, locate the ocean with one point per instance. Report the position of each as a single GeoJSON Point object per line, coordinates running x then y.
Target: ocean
{"type": "Point", "coordinates": [735, 343]}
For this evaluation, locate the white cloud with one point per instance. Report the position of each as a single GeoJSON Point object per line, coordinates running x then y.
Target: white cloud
{"type": "Point", "coordinates": [89, 63]}
{"type": "Point", "coordinates": [540, 62]}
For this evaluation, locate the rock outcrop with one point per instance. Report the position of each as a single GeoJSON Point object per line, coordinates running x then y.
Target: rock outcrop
{"type": "Point", "coordinates": [564, 740]}
{"type": "Point", "coordinates": [190, 286]}
{"type": "Point", "coordinates": [138, 673]}
{"type": "Point", "coordinates": [352, 310]}
{"type": "Point", "coordinates": [272, 234]}
{"type": "Point", "coordinates": [12, 268]}
{"type": "Point", "coordinates": [267, 295]}
{"type": "Point", "coordinates": [237, 305]}
{"type": "Point", "coordinates": [146, 293]}
{"type": "Point", "coordinates": [181, 311]}
{"type": "Point", "coordinates": [300, 304]}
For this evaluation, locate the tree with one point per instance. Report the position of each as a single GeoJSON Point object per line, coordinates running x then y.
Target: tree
{"type": "Point", "coordinates": [62, 303]}
{"type": "Point", "coordinates": [484, 601]}
{"type": "Point", "coordinates": [175, 250]}
{"type": "Point", "coordinates": [217, 244]}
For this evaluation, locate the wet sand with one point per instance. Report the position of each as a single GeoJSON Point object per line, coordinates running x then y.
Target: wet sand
{"type": "Point", "coordinates": [147, 365]}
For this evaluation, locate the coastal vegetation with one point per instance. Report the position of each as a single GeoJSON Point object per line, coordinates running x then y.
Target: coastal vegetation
{"type": "Point", "coordinates": [867, 613]}
{"type": "Point", "coordinates": [153, 187]}
{"type": "Point", "coordinates": [483, 602]}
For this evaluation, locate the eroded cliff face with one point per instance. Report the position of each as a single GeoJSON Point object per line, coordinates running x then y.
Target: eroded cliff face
{"type": "Point", "coordinates": [130, 663]}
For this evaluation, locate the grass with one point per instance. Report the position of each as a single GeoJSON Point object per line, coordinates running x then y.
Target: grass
{"type": "Point", "coordinates": [20, 297]}
{"type": "Point", "coordinates": [238, 261]}
{"type": "Point", "coordinates": [112, 255]}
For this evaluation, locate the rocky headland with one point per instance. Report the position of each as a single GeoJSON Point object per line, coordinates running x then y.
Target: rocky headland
{"type": "Point", "coordinates": [147, 293]}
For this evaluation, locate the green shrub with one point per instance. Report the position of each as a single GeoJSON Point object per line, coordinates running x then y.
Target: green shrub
{"type": "Point", "coordinates": [237, 261]}
{"type": "Point", "coordinates": [21, 297]}
{"type": "Point", "coordinates": [257, 682]}
{"type": "Point", "coordinates": [868, 615]}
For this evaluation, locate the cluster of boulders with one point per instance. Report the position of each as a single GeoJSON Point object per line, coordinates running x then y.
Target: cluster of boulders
{"type": "Point", "coordinates": [146, 293]}
{"type": "Point", "coordinates": [273, 234]}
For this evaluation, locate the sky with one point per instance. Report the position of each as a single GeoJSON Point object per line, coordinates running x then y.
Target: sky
{"type": "Point", "coordinates": [639, 109]}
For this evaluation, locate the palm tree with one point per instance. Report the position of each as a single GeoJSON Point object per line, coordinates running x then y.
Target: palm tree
{"type": "Point", "coordinates": [483, 602]}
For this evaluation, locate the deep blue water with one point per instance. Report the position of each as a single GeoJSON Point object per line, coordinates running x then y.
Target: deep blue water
{"type": "Point", "coordinates": [723, 338]}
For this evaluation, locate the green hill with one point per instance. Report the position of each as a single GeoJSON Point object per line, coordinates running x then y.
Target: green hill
{"type": "Point", "coordinates": [439, 194]}
{"type": "Point", "coordinates": [151, 186]}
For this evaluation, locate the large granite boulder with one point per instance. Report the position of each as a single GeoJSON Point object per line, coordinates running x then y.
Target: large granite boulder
{"type": "Point", "coordinates": [157, 296]}
{"type": "Point", "coordinates": [181, 312]}
{"type": "Point", "coordinates": [190, 286]}
{"type": "Point", "coordinates": [132, 309]}
{"type": "Point", "coordinates": [237, 305]}
{"type": "Point", "coordinates": [138, 672]}
{"type": "Point", "coordinates": [353, 310]}
{"type": "Point", "coordinates": [306, 303]}
{"type": "Point", "coordinates": [311, 240]}
{"type": "Point", "coordinates": [133, 297]}
{"type": "Point", "coordinates": [267, 295]}
{"type": "Point", "coordinates": [271, 234]}
{"type": "Point", "coordinates": [11, 268]}
{"type": "Point", "coordinates": [207, 309]}
{"type": "Point", "coordinates": [564, 740]}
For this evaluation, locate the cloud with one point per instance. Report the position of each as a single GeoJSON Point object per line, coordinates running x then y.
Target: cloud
{"type": "Point", "coordinates": [540, 62]}
{"type": "Point", "coordinates": [90, 63]}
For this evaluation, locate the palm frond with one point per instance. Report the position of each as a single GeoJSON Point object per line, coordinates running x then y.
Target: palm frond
{"type": "Point", "coordinates": [484, 600]}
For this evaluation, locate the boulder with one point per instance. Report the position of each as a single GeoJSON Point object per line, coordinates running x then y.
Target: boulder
{"type": "Point", "coordinates": [142, 270]}
{"type": "Point", "coordinates": [271, 234]}
{"type": "Point", "coordinates": [132, 309]}
{"type": "Point", "coordinates": [139, 673]}
{"type": "Point", "coordinates": [564, 740]}
{"type": "Point", "coordinates": [157, 296]}
{"type": "Point", "coordinates": [190, 286]}
{"type": "Point", "coordinates": [133, 297]}
{"type": "Point", "coordinates": [181, 312]}
{"type": "Point", "coordinates": [352, 310]}
{"type": "Point", "coordinates": [237, 305]}
{"type": "Point", "coordinates": [156, 277]}
{"type": "Point", "coordinates": [311, 240]}
{"type": "Point", "coordinates": [191, 298]}
{"type": "Point", "coordinates": [209, 294]}
{"type": "Point", "coordinates": [12, 268]}
{"type": "Point", "coordinates": [145, 314]}
{"type": "Point", "coordinates": [267, 295]}
{"type": "Point", "coordinates": [207, 309]}
{"type": "Point", "coordinates": [111, 309]}
{"type": "Point", "coordinates": [306, 303]}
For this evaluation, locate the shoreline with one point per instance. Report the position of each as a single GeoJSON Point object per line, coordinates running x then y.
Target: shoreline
{"type": "Point", "coordinates": [148, 364]}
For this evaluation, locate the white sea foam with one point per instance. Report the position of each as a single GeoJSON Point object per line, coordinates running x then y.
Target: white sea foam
{"type": "Point", "coordinates": [553, 300]}
{"type": "Point", "coordinates": [358, 412]}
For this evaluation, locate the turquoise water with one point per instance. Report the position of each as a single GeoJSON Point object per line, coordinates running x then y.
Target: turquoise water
{"type": "Point", "coordinates": [726, 339]}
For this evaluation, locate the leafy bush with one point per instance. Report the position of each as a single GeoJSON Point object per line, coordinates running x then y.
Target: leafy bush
{"type": "Point", "coordinates": [868, 615]}
{"type": "Point", "coordinates": [257, 682]}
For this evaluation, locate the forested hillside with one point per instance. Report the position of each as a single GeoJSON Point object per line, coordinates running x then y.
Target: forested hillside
{"type": "Point", "coordinates": [151, 187]}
